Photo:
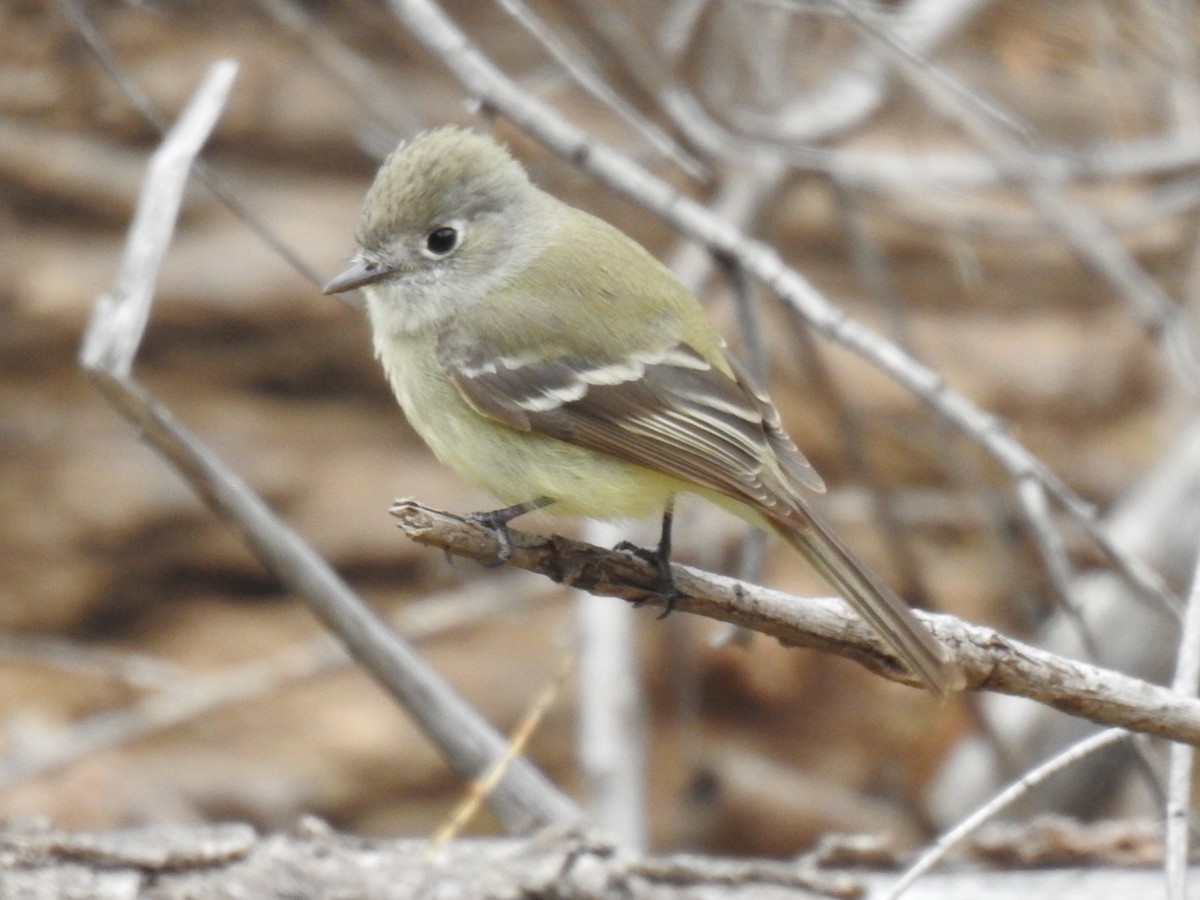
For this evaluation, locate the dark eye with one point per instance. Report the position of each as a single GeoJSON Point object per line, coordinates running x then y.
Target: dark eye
{"type": "Point", "coordinates": [442, 241]}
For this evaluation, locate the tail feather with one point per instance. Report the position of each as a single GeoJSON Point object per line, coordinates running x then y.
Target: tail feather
{"type": "Point", "coordinates": [921, 652]}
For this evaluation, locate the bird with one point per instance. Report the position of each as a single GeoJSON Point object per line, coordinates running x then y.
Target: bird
{"type": "Point", "coordinates": [548, 358]}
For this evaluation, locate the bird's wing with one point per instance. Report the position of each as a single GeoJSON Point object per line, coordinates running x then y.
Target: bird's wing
{"type": "Point", "coordinates": [669, 410]}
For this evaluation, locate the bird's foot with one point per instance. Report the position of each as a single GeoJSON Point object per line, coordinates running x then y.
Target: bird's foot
{"type": "Point", "coordinates": [496, 521]}
{"type": "Point", "coordinates": [666, 580]}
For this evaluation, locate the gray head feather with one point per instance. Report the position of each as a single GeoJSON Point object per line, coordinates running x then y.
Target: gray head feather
{"type": "Point", "coordinates": [438, 175]}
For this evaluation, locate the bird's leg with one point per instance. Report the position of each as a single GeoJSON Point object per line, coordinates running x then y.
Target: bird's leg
{"type": "Point", "coordinates": [660, 558]}
{"type": "Point", "coordinates": [496, 520]}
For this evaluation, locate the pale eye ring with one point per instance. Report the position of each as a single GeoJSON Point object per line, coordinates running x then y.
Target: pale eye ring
{"type": "Point", "coordinates": [442, 241]}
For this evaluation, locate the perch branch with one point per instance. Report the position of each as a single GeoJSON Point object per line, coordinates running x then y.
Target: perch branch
{"type": "Point", "coordinates": [990, 660]}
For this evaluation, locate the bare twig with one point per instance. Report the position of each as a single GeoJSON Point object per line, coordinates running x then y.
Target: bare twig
{"type": "Point", "coordinates": [187, 699]}
{"type": "Point", "coordinates": [678, 26]}
{"type": "Point", "coordinates": [1156, 519]}
{"type": "Point", "coordinates": [870, 264]}
{"type": "Point", "coordinates": [183, 696]}
{"type": "Point", "coordinates": [133, 670]}
{"type": "Point", "coordinates": [743, 875]}
{"type": "Point", "coordinates": [75, 11]}
{"type": "Point", "coordinates": [612, 717]}
{"type": "Point", "coordinates": [1179, 772]}
{"type": "Point", "coordinates": [880, 171]}
{"type": "Point", "coordinates": [591, 82]}
{"type": "Point", "coordinates": [356, 74]}
{"type": "Point", "coordinates": [844, 102]}
{"type": "Point", "coordinates": [524, 799]}
{"type": "Point", "coordinates": [1054, 555]}
{"type": "Point", "coordinates": [478, 791]}
{"type": "Point", "coordinates": [990, 660]}
{"type": "Point", "coordinates": [1066, 583]}
{"type": "Point", "coordinates": [860, 86]}
{"type": "Point", "coordinates": [630, 54]}
{"type": "Point", "coordinates": [1094, 244]}
{"type": "Point", "coordinates": [1013, 792]}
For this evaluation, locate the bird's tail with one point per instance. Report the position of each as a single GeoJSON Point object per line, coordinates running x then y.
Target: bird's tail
{"type": "Point", "coordinates": [921, 652]}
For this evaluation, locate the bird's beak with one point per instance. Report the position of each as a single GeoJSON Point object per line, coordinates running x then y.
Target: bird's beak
{"type": "Point", "coordinates": [359, 273]}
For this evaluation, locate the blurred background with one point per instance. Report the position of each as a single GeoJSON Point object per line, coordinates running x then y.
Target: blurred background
{"type": "Point", "coordinates": [898, 155]}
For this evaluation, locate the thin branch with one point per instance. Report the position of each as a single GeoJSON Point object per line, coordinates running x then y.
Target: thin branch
{"type": "Point", "coordinates": [1094, 244]}
{"type": "Point", "coordinates": [593, 84]}
{"type": "Point", "coordinates": [355, 73]}
{"type": "Point", "coordinates": [183, 696]}
{"type": "Point", "coordinates": [483, 787]}
{"type": "Point", "coordinates": [611, 718]}
{"type": "Point", "coordinates": [629, 53]}
{"type": "Point", "coordinates": [1055, 558]}
{"type": "Point", "coordinates": [880, 171]}
{"type": "Point", "coordinates": [745, 876]}
{"type": "Point", "coordinates": [119, 317]}
{"type": "Point", "coordinates": [1004, 798]}
{"type": "Point", "coordinates": [1179, 771]}
{"type": "Point", "coordinates": [859, 88]}
{"type": "Point", "coordinates": [870, 265]}
{"type": "Point", "coordinates": [187, 699]}
{"type": "Point", "coordinates": [133, 670]}
{"type": "Point", "coordinates": [991, 661]}
{"type": "Point", "coordinates": [678, 26]}
{"type": "Point", "coordinates": [1058, 565]}
{"type": "Point", "coordinates": [137, 98]}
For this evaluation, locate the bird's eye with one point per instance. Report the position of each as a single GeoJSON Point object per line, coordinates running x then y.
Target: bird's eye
{"type": "Point", "coordinates": [442, 241]}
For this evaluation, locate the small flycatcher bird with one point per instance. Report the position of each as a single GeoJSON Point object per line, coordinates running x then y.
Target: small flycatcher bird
{"type": "Point", "coordinates": [551, 360]}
